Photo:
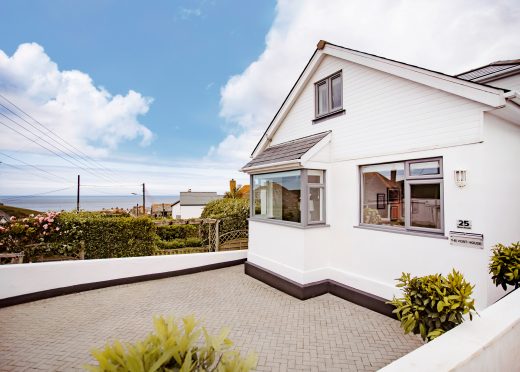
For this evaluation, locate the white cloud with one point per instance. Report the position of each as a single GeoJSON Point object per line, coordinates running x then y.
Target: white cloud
{"type": "Point", "coordinates": [68, 103]}
{"type": "Point", "coordinates": [448, 36]}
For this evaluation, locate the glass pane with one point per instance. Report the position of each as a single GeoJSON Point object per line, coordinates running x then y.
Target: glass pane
{"type": "Point", "coordinates": [383, 194]}
{"type": "Point", "coordinates": [315, 204]}
{"type": "Point", "coordinates": [323, 99]}
{"type": "Point", "coordinates": [277, 196]}
{"type": "Point", "coordinates": [425, 200]}
{"type": "Point", "coordinates": [314, 176]}
{"type": "Point", "coordinates": [336, 93]}
{"type": "Point", "coordinates": [426, 168]}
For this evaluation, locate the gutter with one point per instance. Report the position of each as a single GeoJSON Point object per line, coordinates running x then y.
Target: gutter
{"type": "Point", "coordinates": [272, 166]}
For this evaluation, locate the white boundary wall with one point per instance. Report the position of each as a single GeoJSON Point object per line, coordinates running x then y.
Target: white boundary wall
{"type": "Point", "coordinates": [490, 342]}
{"type": "Point", "coordinates": [22, 279]}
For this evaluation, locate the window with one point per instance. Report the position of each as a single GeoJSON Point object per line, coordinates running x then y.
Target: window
{"type": "Point", "coordinates": [277, 196]}
{"type": "Point", "coordinates": [403, 195]}
{"type": "Point", "coordinates": [329, 95]}
{"type": "Point", "coordinates": [296, 196]}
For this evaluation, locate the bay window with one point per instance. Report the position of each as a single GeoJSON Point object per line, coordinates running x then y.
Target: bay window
{"type": "Point", "coordinates": [403, 195]}
{"type": "Point", "coordinates": [295, 196]}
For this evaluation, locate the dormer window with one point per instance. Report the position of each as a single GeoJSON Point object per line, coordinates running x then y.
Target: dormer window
{"type": "Point", "coordinates": [329, 95]}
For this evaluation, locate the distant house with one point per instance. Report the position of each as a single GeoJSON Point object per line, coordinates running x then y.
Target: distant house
{"type": "Point", "coordinates": [161, 210]}
{"type": "Point", "coordinates": [192, 203]}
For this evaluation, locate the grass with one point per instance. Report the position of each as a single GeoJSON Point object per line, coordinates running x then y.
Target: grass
{"type": "Point", "coordinates": [17, 212]}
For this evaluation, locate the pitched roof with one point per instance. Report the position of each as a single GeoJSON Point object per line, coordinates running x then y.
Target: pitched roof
{"type": "Point", "coordinates": [492, 71]}
{"type": "Point", "coordinates": [453, 84]}
{"type": "Point", "coordinates": [291, 150]}
{"type": "Point", "coordinates": [198, 198]}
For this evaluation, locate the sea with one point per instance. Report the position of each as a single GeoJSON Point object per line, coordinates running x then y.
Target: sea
{"type": "Point", "coordinates": [44, 203]}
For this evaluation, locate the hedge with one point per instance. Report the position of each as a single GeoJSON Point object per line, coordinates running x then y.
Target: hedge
{"type": "Point", "coordinates": [108, 237]}
{"type": "Point", "coordinates": [179, 243]}
{"type": "Point", "coordinates": [170, 232]}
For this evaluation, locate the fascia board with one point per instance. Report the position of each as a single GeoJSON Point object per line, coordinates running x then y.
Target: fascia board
{"type": "Point", "coordinates": [475, 92]}
{"type": "Point", "coordinates": [291, 99]}
{"type": "Point", "coordinates": [282, 165]}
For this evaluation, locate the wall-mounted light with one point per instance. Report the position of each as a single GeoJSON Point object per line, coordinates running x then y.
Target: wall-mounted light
{"type": "Point", "coordinates": [460, 178]}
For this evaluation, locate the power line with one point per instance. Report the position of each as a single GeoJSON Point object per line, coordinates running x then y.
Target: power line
{"type": "Point", "coordinates": [33, 166]}
{"type": "Point", "coordinates": [33, 195]}
{"type": "Point", "coordinates": [51, 131]}
{"type": "Point", "coordinates": [46, 148]}
{"type": "Point", "coordinates": [54, 147]}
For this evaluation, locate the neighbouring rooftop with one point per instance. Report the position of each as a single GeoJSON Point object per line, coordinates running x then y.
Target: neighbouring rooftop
{"type": "Point", "coordinates": [322, 333]}
{"type": "Point", "coordinates": [197, 198]}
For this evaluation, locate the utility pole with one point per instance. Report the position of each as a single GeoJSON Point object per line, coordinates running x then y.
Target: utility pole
{"type": "Point", "coordinates": [137, 210]}
{"type": "Point", "coordinates": [144, 205]}
{"type": "Point", "coordinates": [77, 197]}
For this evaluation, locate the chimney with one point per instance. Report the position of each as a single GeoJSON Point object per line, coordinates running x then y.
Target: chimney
{"type": "Point", "coordinates": [232, 185]}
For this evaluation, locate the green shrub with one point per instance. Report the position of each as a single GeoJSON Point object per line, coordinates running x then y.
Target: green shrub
{"type": "Point", "coordinates": [433, 304]}
{"type": "Point", "coordinates": [174, 347]}
{"type": "Point", "coordinates": [108, 236]}
{"type": "Point", "coordinates": [170, 232]}
{"type": "Point", "coordinates": [505, 265]}
{"type": "Point", "coordinates": [232, 213]}
{"type": "Point", "coordinates": [171, 244]}
{"type": "Point", "coordinates": [193, 242]}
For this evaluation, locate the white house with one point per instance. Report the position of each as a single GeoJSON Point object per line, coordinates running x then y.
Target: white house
{"type": "Point", "coordinates": [192, 203]}
{"type": "Point", "coordinates": [373, 167]}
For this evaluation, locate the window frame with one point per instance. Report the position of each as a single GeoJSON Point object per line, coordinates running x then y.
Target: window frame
{"type": "Point", "coordinates": [408, 181]}
{"type": "Point", "coordinates": [304, 200]}
{"type": "Point", "coordinates": [328, 82]}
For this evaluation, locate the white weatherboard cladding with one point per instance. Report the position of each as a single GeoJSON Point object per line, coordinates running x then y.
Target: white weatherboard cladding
{"type": "Point", "coordinates": [371, 260]}
{"type": "Point", "coordinates": [384, 114]}
{"type": "Point", "coordinates": [510, 82]}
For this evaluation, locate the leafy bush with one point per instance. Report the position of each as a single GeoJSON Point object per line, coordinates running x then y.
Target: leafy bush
{"type": "Point", "coordinates": [233, 214]}
{"type": "Point", "coordinates": [170, 232]}
{"type": "Point", "coordinates": [174, 347]}
{"type": "Point", "coordinates": [433, 304]}
{"type": "Point", "coordinates": [171, 244]}
{"type": "Point", "coordinates": [18, 233]}
{"type": "Point", "coordinates": [108, 236]}
{"type": "Point", "coordinates": [182, 251]}
{"type": "Point", "coordinates": [193, 242]}
{"type": "Point", "coordinates": [505, 265]}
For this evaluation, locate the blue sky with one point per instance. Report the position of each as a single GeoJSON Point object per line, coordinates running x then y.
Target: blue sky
{"type": "Point", "coordinates": [178, 52]}
{"type": "Point", "coordinates": [177, 93]}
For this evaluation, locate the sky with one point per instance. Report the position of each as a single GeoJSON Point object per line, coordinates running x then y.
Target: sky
{"type": "Point", "coordinates": [176, 94]}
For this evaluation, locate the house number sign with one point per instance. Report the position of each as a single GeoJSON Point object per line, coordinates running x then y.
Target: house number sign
{"type": "Point", "coordinates": [464, 224]}
{"type": "Point", "coordinates": [467, 239]}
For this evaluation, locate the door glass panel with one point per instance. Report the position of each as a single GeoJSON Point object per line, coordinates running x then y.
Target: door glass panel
{"type": "Point", "coordinates": [383, 194]}
{"type": "Point", "coordinates": [315, 204]}
{"type": "Point", "coordinates": [426, 168]}
{"type": "Point", "coordinates": [336, 93]}
{"type": "Point", "coordinates": [425, 205]}
{"type": "Point", "coordinates": [323, 99]}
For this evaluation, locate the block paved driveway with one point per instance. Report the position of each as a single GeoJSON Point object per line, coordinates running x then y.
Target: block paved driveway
{"type": "Point", "coordinates": [325, 333]}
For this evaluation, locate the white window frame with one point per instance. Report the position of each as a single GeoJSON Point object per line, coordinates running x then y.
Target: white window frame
{"type": "Point", "coordinates": [328, 82]}
{"type": "Point", "coordinates": [408, 181]}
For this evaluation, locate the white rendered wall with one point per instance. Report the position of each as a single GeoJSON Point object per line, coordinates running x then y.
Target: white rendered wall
{"type": "Point", "coordinates": [191, 211]}
{"type": "Point", "coordinates": [488, 343]}
{"type": "Point", "coordinates": [176, 210]}
{"type": "Point", "coordinates": [29, 278]}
